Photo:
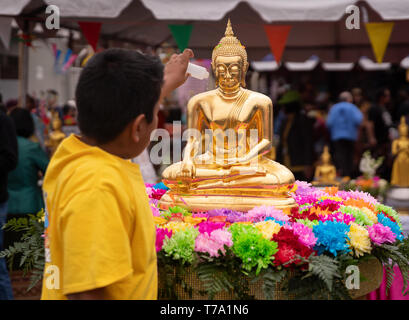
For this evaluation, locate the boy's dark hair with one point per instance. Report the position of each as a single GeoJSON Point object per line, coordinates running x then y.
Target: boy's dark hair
{"type": "Point", "coordinates": [114, 88]}
{"type": "Point", "coordinates": [23, 122]}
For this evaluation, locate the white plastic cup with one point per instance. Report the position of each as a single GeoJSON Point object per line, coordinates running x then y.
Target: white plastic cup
{"type": "Point", "coordinates": [197, 72]}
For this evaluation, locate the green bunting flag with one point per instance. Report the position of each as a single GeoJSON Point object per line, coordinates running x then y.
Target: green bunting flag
{"type": "Point", "coordinates": [181, 33]}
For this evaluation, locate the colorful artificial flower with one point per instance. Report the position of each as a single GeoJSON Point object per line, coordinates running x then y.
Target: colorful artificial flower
{"type": "Point", "coordinates": [214, 243]}
{"type": "Point", "coordinates": [176, 226]}
{"type": "Point", "coordinates": [305, 234]}
{"type": "Point", "coordinates": [159, 220]}
{"type": "Point", "coordinates": [308, 223]}
{"type": "Point", "coordinates": [386, 221]}
{"type": "Point", "coordinates": [251, 247]}
{"type": "Point", "coordinates": [332, 236]}
{"type": "Point", "coordinates": [379, 234]}
{"type": "Point", "coordinates": [155, 210]}
{"type": "Point", "coordinates": [181, 246]}
{"type": "Point", "coordinates": [260, 213]}
{"type": "Point", "coordinates": [208, 227]}
{"type": "Point", "coordinates": [161, 234]}
{"type": "Point", "coordinates": [389, 212]}
{"type": "Point", "coordinates": [268, 228]}
{"type": "Point", "coordinates": [194, 220]}
{"type": "Point", "coordinates": [359, 239]}
{"type": "Point", "coordinates": [338, 216]}
{"type": "Point", "coordinates": [360, 216]}
{"type": "Point", "coordinates": [370, 214]}
{"type": "Point", "coordinates": [289, 248]}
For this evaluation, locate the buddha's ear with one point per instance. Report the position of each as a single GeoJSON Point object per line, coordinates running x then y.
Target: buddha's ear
{"type": "Point", "coordinates": [243, 74]}
{"type": "Point", "coordinates": [216, 77]}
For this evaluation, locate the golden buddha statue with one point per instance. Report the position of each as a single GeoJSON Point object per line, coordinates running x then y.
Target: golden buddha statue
{"type": "Point", "coordinates": [56, 135]}
{"type": "Point", "coordinates": [228, 164]}
{"type": "Point", "coordinates": [325, 173]}
{"type": "Point", "coordinates": [400, 149]}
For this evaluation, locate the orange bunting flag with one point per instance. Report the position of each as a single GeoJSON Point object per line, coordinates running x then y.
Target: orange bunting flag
{"type": "Point", "coordinates": [379, 34]}
{"type": "Point", "coordinates": [277, 36]}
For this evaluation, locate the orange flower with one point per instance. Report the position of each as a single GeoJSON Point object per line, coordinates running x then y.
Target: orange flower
{"type": "Point", "coordinates": [359, 203]}
{"type": "Point", "coordinates": [159, 220]}
{"type": "Point", "coordinates": [319, 211]}
{"type": "Point", "coordinates": [331, 190]}
{"type": "Point", "coordinates": [194, 221]}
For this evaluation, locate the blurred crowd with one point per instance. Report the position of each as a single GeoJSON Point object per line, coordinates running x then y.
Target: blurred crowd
{"type": "Point", "coordinates": [350, 124]}
{"type": "Point", "coordinates": [25, 149]}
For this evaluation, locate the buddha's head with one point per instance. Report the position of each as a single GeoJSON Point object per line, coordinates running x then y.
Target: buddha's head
{"type": "Point", "coordinates": [403, 127]}
{"type": "Point", "coordinates": [229, 62]}
{"type": "Point", "coordinates": [56, 122]}
{"type": "Point", "coordinates": [326, 156]}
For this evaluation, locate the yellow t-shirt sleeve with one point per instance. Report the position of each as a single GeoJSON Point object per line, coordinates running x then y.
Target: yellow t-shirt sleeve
{"type": "Point", "coordinates": [96, 247]}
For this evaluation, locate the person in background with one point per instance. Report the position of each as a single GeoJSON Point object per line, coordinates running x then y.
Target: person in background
{"type": "Point", "coordinates": [366, 134]}
{"type": "Point", "coordinates": [8, 161]}
{"type": "Point", "coordinates": [344, 119]}
{"type": "Point", "coordinates": [52, 104]}
{"type": "Point", "coordinates": [296, 148]}
{"type": "Point", "coordinates": [70, 114]}
{"type": "Point", "coordinates": [11, 104]}
{"type": "Point", "coordinates": [39, 126]}
{"type": "Point", "coordinates": [403, 108]}
{"type": "Point", "coordinates": [25, 193]}
{"type": "Point", "coordinates": [382, 123]}
{"type": "Point", "coordinates": [2, 106]}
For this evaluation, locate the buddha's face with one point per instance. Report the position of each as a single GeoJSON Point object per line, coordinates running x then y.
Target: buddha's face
{"type": "Point", "coordinates": [403, 131]}
{"type": "Point", "coordinates": [229, 73]}
{"type": "Point", "coordinates": [326, 158]}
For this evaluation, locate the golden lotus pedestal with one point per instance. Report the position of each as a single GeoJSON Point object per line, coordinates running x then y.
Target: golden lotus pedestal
{"type": "Point", "coordinates": [210, 202]}
{"type": "Point", "coordinates": [190, 287]}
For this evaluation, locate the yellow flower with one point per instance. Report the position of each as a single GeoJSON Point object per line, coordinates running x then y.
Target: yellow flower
{"type": "Point", "coordinates": [176, 226]}
{"type": "Point", "coordinates": [359, 239]}
{"type": "Point", "coordinates": [369, 213]}
{"type": "Point", "coordinates": [268, 228]}
{"type": "Point", "coordinates": [159, 220]}
{"type": "Point", "coordinates": [194, 221]}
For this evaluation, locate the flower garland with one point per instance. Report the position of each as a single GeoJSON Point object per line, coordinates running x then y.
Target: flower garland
{"type": "Point", "coordinates": [331, 221]}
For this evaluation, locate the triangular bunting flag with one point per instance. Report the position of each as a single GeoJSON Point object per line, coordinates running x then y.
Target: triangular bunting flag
{"type": "Point", "coordinates": [181, 33]}
{"type": "Point", "coordinates": [5, 31]}
{"type": "Point", "coordinates": [379, 34]}
{"type": "Point", "coordinates": [91, 32]}
{"type": "Point", "coordinates": [277, 36]}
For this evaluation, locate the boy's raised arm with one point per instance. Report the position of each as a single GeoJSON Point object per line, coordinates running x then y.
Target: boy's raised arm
{"type": "Point", "coordinates": [175, 72]}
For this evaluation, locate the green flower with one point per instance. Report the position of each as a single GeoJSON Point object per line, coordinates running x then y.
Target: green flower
{"type": "Point", "coordinates": [308, 223]}
{"type": "Point", "coordinates": [252, 248]}
{"type": "Point", "coordinates": [181, 246]}
{"type": "Point", "coordinates": [360, 217]}
{"type": "Point", "coordinates": [389, 211]}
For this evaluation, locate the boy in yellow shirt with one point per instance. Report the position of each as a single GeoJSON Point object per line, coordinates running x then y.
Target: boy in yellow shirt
{"type": "Point", "coordinates": [100, 234]}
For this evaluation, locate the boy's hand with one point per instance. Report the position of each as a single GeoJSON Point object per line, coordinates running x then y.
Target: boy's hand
{"type": "Point", "coordinates": [175, 71]}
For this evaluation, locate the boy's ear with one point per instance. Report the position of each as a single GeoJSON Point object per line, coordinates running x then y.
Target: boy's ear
{"type": "Point", "coordinates": [138, 126]}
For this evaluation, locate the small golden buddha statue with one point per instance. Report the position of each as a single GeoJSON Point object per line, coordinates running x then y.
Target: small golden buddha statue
{"type": "Point", "coordinates": [325, 173]}
{"type": "Point", "coordinates": [228, 163]}
{"type": "Point", "coordinates": [400, 149]}
{"type": "Point", "coordinates": [56, 136]}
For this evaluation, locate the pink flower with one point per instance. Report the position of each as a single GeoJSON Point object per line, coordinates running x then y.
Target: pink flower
{"type": "Point", "coordinates": [161, 233]}
{"type": "Point", "coordinates": [339, 217]}
{"type": "Point", "coordinates": [155, 210]}
{"type": "Point", "coordinates": [305, 234]}
{"type": "Point", "coordinates": [200, 215]}
{"type": "Point", "coordinates": [209, 227]}
{"type": "Point", "coordinates": [211, 244]}
{"type": "Point", "coordinates": [379, 234]}
{"type": "Point", "coordinates": [222, 236]}
{"type": "Point", "coordinates": [258, 214]}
